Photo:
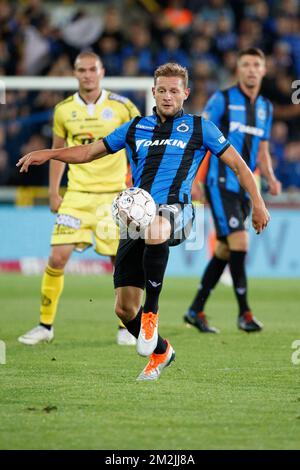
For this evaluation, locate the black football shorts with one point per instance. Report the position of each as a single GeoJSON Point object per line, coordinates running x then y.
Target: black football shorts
{"type": "Point", "coordinates": [230, 210]}
{"type": "Point", "coordinates": [129, 259]}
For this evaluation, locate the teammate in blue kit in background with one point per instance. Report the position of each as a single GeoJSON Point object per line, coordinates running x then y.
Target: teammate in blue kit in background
{"type": "Point", "coordinates": [165, 151]}
{"type": "Point", "coordinates": [245, 118]}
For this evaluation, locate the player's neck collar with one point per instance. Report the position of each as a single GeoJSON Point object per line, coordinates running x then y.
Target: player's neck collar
{"type": "Point", "coordinates": [180, 113]}
{"type": "Point", "coordinates": [246, 96]}
{"type": "Point", "coordinates": [98, 100]}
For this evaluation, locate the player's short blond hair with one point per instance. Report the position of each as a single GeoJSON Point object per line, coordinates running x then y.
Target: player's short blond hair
{"type": "Point", "coordinates": [172, 69]}
{"type": "Point", "coordinates": [84, 54]}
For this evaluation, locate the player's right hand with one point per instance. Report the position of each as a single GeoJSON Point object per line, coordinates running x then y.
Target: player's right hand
{"type": "Point", "coordinates": [55, 201]}
{"type": "Point", "coordinates": [260, 217]}
{"type": "Point", "coordinates": [37, 157]}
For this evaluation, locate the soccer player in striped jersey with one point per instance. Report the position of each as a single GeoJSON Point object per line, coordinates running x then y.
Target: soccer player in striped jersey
{"type": "Point", "coordinates": [84, 212]}
{"type": "Point", "coordinates": [245, 118]}
{"type": "Point", "coordinates": [165, 151]}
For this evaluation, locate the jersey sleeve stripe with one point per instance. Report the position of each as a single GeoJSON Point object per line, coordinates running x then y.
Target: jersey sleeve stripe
{"type": "Point", "coordinates": [268, 111]}
{"type": "Point", "coordinates": [223, 149]}
{"type": "Point", "coordinates": [224, 127]}
{"type": "Point", "coordinates": [108, 148]}
{"type": "Point", "coordinates": [130, 138]}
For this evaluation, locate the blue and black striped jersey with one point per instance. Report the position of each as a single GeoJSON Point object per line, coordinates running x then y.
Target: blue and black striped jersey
{"type": "Point", "coordinates": [165, 156]}
{"type": "Point", "coordinates": [245, 124]}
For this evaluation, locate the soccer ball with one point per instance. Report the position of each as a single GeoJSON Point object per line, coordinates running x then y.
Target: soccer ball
{"type": "Point", "coordinates": [133, 208]}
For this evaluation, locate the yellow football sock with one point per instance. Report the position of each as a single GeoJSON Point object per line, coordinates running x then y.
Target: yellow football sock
{"type": "Point", "coordinates": [121, 324]}
{"type": "Point", "coordinates": [52, 287]}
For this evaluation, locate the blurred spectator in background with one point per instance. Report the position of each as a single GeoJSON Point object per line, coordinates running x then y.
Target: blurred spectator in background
{"type": "Point", "coordinates": [4, 168]}
{"type": "Point", "coordinates": [172, 51]}
{"type": "Point", "coordinates": [177, 16]}
{"type": "Point", "coordinates": [139, 45]}
{"type": "Point", "coordinates": [83, 31]}
{"type": "Point", "coordinates": [109, 49]}
{"type": "Point", "coordinates": [279, 138]}
{"type": "Point", "coordinates": [226, 38]}
{"type": "Point", "coordinates": [291, 167]}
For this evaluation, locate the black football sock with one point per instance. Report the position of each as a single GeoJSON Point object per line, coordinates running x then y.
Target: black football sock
{"type": "Point", "coordinates": [49, 327]}
{"type": "Point", "coordinates": [211, 275]}
{"type": "Point", "coordinates": [134, 326]}
{"type": "Point", "coordinates": [154, 263]}
{"type": "Point", "coordinates": [161, 346]}
{"type": "Point", "coordinates": [238, 273]}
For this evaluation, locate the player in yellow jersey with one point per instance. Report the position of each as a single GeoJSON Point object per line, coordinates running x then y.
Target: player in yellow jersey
{"type": "Point", "coordinates": [83, 215]}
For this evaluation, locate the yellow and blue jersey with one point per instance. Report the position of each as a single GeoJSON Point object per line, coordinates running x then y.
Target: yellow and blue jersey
{"type": "Point", "coordinates": [245, 124]}
{"type": "Point", "coordinates": [165, 156]}
{"type": "Point", "coordinates": [81, 123]}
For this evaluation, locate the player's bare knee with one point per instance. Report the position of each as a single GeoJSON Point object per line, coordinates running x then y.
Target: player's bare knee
{"type": "Point", "coordinates": [120, 312]}
{"type": "Point", "coordinates": [58, 260]}
{"type": "Point", "coordinates": [238, 241]}
{"type": "Point", "coordinates": [125, 312]}
{"type": "Point", "coordinates": [222, 251]}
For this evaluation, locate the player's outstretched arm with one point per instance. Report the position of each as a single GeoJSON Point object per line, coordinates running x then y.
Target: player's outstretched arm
{"type": "Point", "coordinates": [260, 215]}
{"type": "Point", "coordinates": [78, 154]}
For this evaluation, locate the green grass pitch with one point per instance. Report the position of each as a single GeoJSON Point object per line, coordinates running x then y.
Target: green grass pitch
{"type": "Point", "coordinates": [227, 391]}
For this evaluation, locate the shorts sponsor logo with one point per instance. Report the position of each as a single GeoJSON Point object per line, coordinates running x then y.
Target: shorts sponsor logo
{"type": "Point", "coordinates": [68, 221]}
{"type": "Point", "coordinates": [233, 222]}
{"type": "Point", "coordinates": [221, 139]}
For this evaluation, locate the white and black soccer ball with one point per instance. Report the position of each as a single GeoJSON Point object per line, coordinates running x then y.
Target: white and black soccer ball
{"type": "Point", "coordinates": [134, 208]}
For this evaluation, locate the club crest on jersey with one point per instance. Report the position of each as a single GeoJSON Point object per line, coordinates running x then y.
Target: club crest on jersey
{"type": "Point", "coordinates": [261, 113]}
{"type": "Point", "coordinates": [107, 113]}
{"type": "Point", "coordinates": [182, 128]}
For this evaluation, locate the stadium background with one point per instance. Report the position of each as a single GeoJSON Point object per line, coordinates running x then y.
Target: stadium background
{"type": "Point", "coordinates": [225, 392]}
{"type": "Point", "coordinates": [133, 37]}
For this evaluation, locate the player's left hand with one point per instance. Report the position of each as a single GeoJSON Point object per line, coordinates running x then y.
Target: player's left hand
{"type": "Point", "coordinates": [274, 187]}
{"type": "Point", "coordinates": [33, 158]}
{"type": "Point", "coordinates": [260, 217]}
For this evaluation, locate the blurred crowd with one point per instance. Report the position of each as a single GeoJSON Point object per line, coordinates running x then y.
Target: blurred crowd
{"type": "Point", "coordinates": [133, 38]}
